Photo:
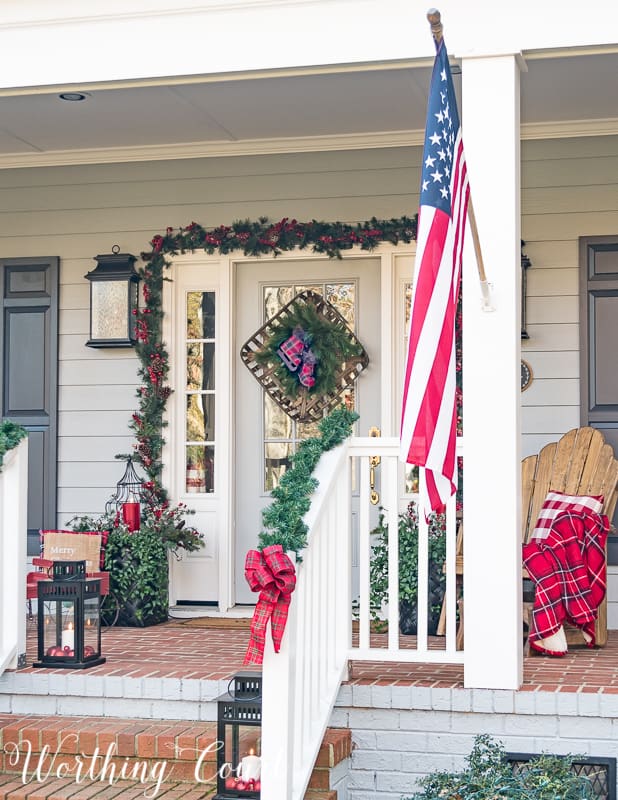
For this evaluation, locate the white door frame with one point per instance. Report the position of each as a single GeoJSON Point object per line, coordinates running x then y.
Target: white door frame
{"type": "Point", "coordinates": [220, 272]}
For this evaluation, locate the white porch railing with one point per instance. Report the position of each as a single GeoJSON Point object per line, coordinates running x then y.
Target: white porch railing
{"type": "Point", "coordinates": [301, 682]}
{"type": "Point", "coordinates": [13, 510]}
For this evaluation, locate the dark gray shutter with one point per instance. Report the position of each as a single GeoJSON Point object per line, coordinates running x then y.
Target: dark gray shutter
{"type": "Point", "coordinates": [599, 335]}
{"type": "Point", "coordinates": [29, 371]}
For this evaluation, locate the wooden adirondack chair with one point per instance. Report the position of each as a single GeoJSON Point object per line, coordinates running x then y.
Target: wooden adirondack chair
{"type": "Point", "coordinates": [580, 463]}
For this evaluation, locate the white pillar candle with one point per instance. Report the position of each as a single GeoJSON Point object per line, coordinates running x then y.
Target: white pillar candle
{"type": "Point", "coordinates": [68, 637]}
{"type": "Point", "coordinates": [250, 767]}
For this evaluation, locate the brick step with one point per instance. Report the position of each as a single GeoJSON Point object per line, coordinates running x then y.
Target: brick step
{"type": "Point", "coordinates": [180, 752]}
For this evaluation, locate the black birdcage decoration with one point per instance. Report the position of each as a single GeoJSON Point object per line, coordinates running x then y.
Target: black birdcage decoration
{"type": "Point", "coordinates": [69, 618]}
{"type": "Point", "coordinates": [239, 719]}
{"type": "Point", "coordinates": [130, 493]}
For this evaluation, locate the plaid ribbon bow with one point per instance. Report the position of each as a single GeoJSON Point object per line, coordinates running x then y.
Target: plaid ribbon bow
{"type": "Point", "coordinates": [272, 574]}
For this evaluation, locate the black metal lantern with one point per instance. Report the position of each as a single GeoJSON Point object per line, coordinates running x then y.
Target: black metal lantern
{"type": "Point", "coordinates": [113, 300]}
{"type": "Point", "coordinates": [69, 618]}
{"type": "Point", "coordinates": [129, 493]}
{"type": "Point", "coordinates": [239, 719]}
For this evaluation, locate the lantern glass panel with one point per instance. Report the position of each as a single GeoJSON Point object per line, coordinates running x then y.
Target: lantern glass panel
{"type": "Point", "coordinates": [241, 769]}
{"type": "Point", "coordinates": [59, 628]}
{"type": "Point", "coordinates": [109, 308]}
{"type": "Point", "coordinates": [92, 626]}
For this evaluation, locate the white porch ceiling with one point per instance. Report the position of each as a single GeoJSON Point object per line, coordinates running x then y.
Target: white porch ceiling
{"type": "Point", "coordinates": [359, 106]}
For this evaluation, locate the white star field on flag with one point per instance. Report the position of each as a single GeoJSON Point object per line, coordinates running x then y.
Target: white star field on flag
{"type": "Point", "coordinates": [439, 142]}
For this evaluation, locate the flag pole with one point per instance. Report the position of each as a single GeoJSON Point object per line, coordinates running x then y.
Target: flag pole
{"type": "Point", "coordinates": [435, 23]}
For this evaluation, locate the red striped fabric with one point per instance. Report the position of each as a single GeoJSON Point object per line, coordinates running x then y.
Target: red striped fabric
{"type": "Point", "coordinates": [428, 426]}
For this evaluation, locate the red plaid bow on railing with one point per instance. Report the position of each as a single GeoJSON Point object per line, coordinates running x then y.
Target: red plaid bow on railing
{"type": "Point", "coordinates": [272, 574]}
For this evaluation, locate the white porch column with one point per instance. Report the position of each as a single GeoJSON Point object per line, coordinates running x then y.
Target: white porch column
{"type": "Point", "coordinates": [13, 527]}
{"type": "Point", "coordinates": [491, 378]}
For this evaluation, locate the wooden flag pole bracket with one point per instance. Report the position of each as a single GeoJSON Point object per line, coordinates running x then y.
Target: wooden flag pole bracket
{"type": "Point", "coordinates": [435, 22]}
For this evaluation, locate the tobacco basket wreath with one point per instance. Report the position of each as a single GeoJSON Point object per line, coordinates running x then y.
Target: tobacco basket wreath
{"type": "Point", "coordinates": [305, 356]}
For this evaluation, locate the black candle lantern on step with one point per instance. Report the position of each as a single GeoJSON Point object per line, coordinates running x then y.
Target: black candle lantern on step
{"type": "Point", "coordinates": [69, 618]}
{"type": "Point", "coordinates": [239, 718]}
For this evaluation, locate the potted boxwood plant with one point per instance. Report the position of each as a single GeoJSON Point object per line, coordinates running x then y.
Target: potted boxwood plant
{"type": "Point", "coordinates": [408, 569]}
{"type": "Point", "coordinates": [138, 561]}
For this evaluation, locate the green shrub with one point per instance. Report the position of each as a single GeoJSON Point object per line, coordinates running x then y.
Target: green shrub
{"type": "Point", "coordinates": [489, 776]}
{"type": "Point", "coordinates": [11, 435]}
{"type": "Point", "coordinates": [408, 564]}
{"type": "Point", "coordinates": [139, 578]}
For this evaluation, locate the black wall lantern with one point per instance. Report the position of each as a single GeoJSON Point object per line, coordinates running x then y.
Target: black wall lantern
{"type": "Point", "coordinates": [113, 300]}
{"type": "Point", "coordinates": [69, 618]}
{"type": "Point", "coordinates": [239, 719]}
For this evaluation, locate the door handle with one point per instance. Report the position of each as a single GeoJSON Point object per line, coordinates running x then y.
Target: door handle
{"type": "Point", "coordinates": [374, 461]}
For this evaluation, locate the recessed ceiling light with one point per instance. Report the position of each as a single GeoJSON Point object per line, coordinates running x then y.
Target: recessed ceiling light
{"type": "Point", "coordinates": [73, 97]}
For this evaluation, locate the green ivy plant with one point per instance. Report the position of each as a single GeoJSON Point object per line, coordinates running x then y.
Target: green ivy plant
{"type": "Point", "coordinates": [489, 776]}
{"type": "Point", "coordinates": [11, 435]}
{"type": "Point", "coordinates": [283, 519]}
{"type": "Point", "coordinates": [408, 561]}
{"type": "Point", "coordinates": [139, 578]}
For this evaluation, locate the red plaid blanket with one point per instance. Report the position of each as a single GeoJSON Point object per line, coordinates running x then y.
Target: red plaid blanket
{"type": "Point", "coordinates": [568, 568]}
{"type": "Point", "coordinates": [272, 574]}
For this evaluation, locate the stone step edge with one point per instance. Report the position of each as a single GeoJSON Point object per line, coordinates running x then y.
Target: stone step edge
{"type": "Point", "coordinates": [140, 738]}
{"type": "Point", "coordinates": [127, 790]}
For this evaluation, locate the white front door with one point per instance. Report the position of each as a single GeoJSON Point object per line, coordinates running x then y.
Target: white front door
{"type": "Point", "coordinates": [265, 437]}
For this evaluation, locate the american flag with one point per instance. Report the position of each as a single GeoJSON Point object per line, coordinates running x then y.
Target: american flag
{"type": "Point", "coordinates": [428, 425]}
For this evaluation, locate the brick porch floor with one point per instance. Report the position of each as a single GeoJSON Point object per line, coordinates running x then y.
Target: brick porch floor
{"type": "Point", "coordinates": [175, 650]}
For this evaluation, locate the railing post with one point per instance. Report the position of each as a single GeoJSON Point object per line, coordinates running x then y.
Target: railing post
{"type": "Point", "coordinates": [13, 527]}
{"type": "Point", "coordinates": [278, 700]}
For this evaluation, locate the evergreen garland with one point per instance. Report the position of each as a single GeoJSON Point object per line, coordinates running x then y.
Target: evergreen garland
{"type": "Point", "coordinates": [253, 238]}
{"type": "Point", "coordinates": [11, 435]}
{"type": "Point", "coordinates": [330, 344]}
{"type": "Point", "coordinates": [292, 497]}
{"type": "Point", "coordinates": [264, 237]}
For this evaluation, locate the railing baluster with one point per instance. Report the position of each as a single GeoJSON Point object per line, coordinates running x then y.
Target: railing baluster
{"type": "Point", "coordinates": [422, 573]}
{"type": "Point", "coordinates": [364, 553]}
{"type": "Point", "coordinates": [389, 494]}
{"type": "Point", "coordinates": [450, 587]}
